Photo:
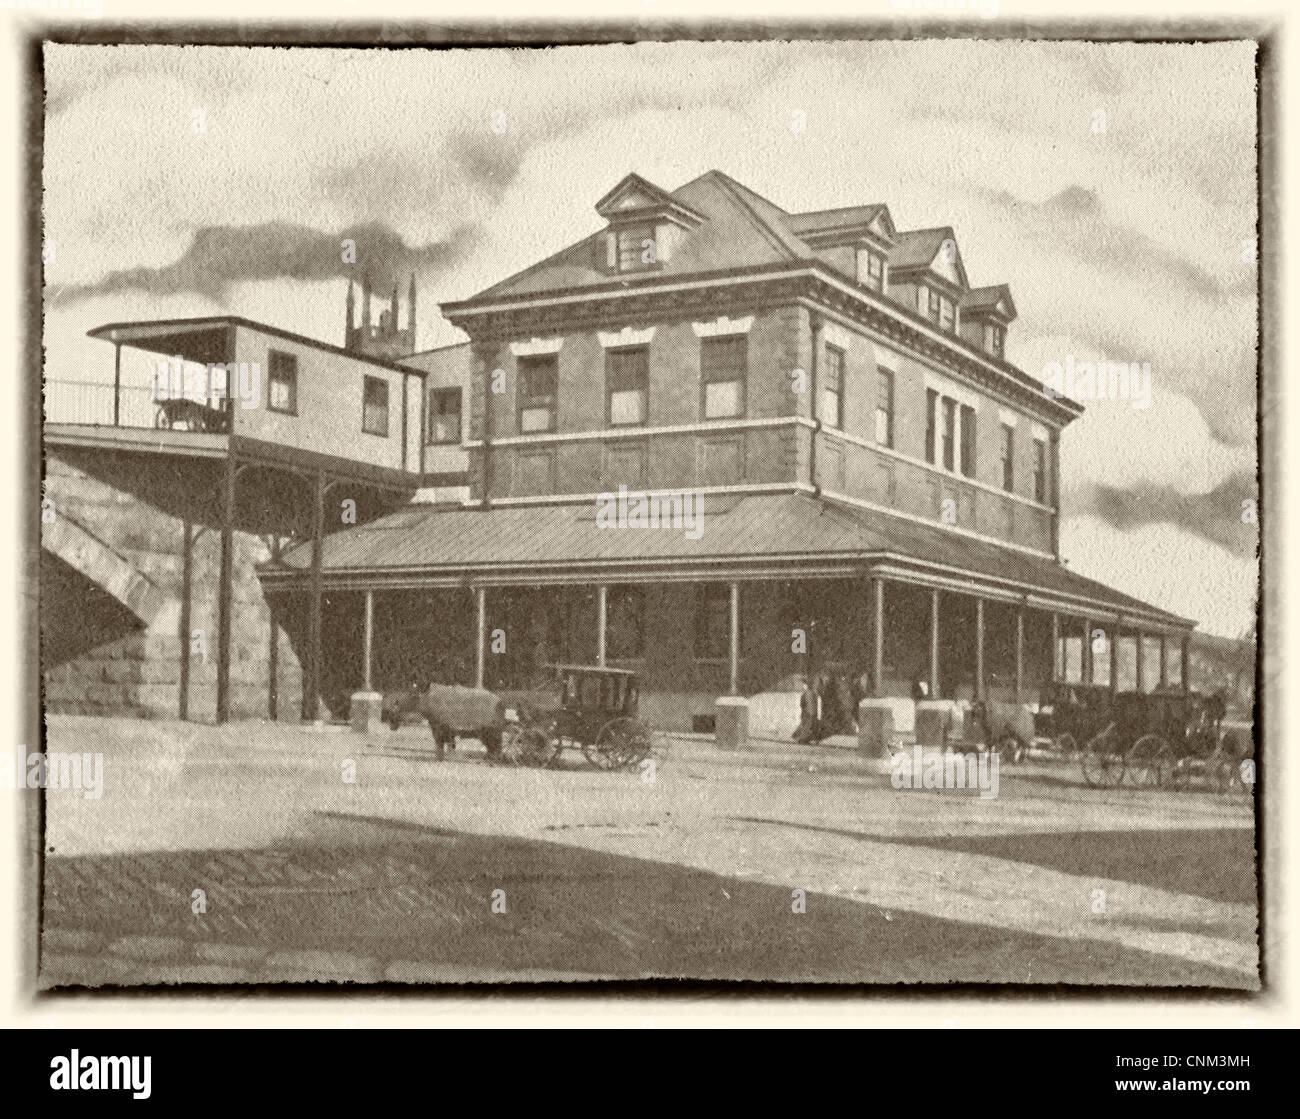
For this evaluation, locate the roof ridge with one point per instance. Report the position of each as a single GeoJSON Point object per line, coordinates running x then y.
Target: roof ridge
{"type": "Point", "coordinates": [731, 189]}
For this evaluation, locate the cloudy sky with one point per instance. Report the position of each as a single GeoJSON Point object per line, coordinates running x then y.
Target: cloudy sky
{"type": "Point", "coordinates": [1113, 187]}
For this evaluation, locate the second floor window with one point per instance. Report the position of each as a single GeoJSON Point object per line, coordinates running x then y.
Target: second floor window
{"type": "Point", "coordinates": [931, 411]}
{"type": "Point", "coordinates": [538, 377]}
{"type": "Point", "coordinates": [374, 406]}
{"type": "Point", "coordinates": [968, 441]}
{"type": "Point", "coordinates": [444, 416]}
{"type": "Point", "coordinates": [949, 431]}
{"type": "Point", "coordinates": [722, 371]}
{"type": "Point", "coordinates": [282, 383]}
{"type": "Point", "coordinates": [833, 387]}
{"type": "Point", "coordinates": [884, 407]}
{"type": "Point", "coordinates": [627, 379]}
{"type": "Point", "coordinates": [1040, 470]}
{"type": "Point", "coordinates": [1008, 457]}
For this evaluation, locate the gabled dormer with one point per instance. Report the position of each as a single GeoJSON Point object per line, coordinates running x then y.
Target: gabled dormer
{"type": "Point", "coordinates": [985, 315]}
{"type": "Point", "coordinates": [856, 241]}
{"type": "Point", "coordinates": [926, 273]}
{"type": "Point", "coordinates": [645, 224]}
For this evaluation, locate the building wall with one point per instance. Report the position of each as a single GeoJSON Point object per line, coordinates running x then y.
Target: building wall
{"type": "Point", "coordinates": [114, 665]}
{"type": "Point", "coordinates": [328, 419]}
{"type": "Point", "coordinates": [584, 456]}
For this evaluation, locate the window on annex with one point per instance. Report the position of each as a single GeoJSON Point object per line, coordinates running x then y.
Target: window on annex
{"type": "Point", "coordinates": [538, 380]}
{"type": "Point", "coordinates": [627, 379]}
{"type": "Point", "coordinates": [374, 406]}
{"type": "Point", "coordinates": [282, 383]}
{"type": "Point", "coordinates": [713, 622]}
{"type": "Point", "coordinates": [833, 387]}
{"type": "Point", "coordinates": [442, 423]}
{"type": "Point", "coordinates": [722, 373]}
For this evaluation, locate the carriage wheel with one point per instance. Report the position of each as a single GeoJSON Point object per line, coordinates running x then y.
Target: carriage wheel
{"type": "Point", "coordinates": [1146, 760]}
{"type": "Point", "coordinates": [521, 745]}
{"type": "Point", "coordinates": [1103, 766]}
{"type": "Point", "coordinates": [621, 743]}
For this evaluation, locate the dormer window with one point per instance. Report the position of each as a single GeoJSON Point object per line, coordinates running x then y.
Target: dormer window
{"type": "Point", "coordinates": [636, 247]}
{"type": "Point", "coordinates": [995, 338]}
{"type": "Point", "coordinates": [871, 269]}
{"type": "Point", "coordinates": [645, 224]}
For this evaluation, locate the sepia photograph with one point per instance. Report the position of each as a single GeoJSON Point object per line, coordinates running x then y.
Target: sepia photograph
{"type": "Point", "coordinates": [771, 511]}
{"type": "Point", "coordinates": [638, 515]}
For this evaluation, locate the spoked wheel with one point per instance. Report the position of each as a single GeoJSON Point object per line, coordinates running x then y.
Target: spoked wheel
{"type": "Point", "coordinates": [521, 745]}
{"type": "Point", "coordinates": [1146, 760]}
{"type": "Point", "coordinates": [1103, 765]}
{"type": "Point", "coordinates": [621, 743]}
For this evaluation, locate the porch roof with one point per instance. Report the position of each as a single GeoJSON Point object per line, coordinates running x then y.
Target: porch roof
{"type": "Point", "coordinates": [742, 536]}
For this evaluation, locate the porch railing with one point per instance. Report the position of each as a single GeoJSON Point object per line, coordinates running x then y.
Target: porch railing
{"type": "Point", "coordinates": [96, 402]}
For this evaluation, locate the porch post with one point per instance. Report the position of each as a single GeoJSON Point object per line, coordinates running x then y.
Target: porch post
{"type": "Point", "coordinates": [1020, 653]}
{"type": "Point", "coordinates": [311, 697]}
{"type": "Point", "coordinates": [601, 605]}
{"type": "Point", "coordinates": [734, 651]}
{"type": "Point", "coordinates": [1058, 669]}
{"type": "Point", "coordinates": [367, 641]}
{"type": "Point", "coordinates": [1085, 653]}
{"type": "Point", "coordinates": [1164, 662]}
{"type": "Point", "coordinates": [225, 588]}
{"type": "Point", "coordinates": [187, 583]}
{"type": "Point", "coordinates": [1187, 663]}
{"type": "Point", "coordinates": [1114, 660]}
{"type": "Point", "coordinates": [117, 383]}
{"type": "Point", "coordinates": [878, 635]}
{"type": "Point", "coordinates": [979, 648]}
{"type": "Point", "coordinates": [1139, 644]}
{"type": "Point", "coordinates": [934, 644]}
{"type": "Point", "coordinates": [480, 648]}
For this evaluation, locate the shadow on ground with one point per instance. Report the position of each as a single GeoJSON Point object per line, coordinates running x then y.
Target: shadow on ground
{"type": "Point", "coordinates": [1213, 863]}
{"type": "Point", "coordinates": [384, 891]}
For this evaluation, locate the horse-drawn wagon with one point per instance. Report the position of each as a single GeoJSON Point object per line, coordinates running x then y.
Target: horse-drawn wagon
{"type": "Point", "coordinates": [578, 706]}
{"type": "Point", "coordinates": [1148, 739]}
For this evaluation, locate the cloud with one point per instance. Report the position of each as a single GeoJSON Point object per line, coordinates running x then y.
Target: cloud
{"type": "Point", "coordinates": [222, 256]}
{"type": "Point", "coordinates": [1216, 516]}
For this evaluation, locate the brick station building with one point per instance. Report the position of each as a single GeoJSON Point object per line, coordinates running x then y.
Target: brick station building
{"type": "Point", "coordinates": [877, 487]}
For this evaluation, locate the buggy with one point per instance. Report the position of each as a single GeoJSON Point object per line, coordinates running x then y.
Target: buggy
{"type": "Point", "coordinates": [578, 706]}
